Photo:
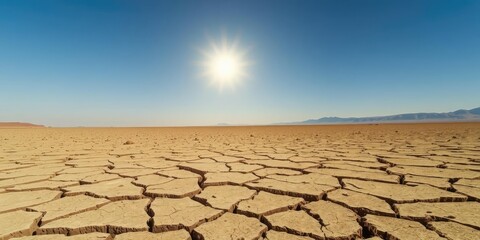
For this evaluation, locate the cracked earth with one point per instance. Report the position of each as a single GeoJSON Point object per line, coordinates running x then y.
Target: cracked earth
{"type": "Point", "coordinates": [392, 181]}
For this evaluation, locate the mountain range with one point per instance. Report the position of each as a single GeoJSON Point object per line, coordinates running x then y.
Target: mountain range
{"type": "Point", "coordinates": [18, 125]}
{"type": "Point", "coordinates": [459, 115]}
{"type": "Point", "coordinates": [462, 115]}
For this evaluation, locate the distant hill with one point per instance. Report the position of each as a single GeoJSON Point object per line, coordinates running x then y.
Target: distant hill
{"type": "Point", "coordinates": [459, 115]}
{"type": "Point", "coordinates": [18, 125]}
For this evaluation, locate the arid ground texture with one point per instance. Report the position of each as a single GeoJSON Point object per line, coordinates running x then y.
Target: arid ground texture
{"type": "Point", "coordinates": [378, 181]}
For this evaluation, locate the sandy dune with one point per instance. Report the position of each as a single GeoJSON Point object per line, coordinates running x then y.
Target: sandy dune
{"type": "Point", "coordinates": [388, 181]}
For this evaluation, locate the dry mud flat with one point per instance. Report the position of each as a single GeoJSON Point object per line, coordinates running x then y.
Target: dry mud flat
{"type": "Point", "coordinates": [388, 181]}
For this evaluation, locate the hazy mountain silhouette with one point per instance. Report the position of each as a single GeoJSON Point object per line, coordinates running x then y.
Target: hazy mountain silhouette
{"type": "Point", "coordinates": [18, 125]}
{"type": "Point", "coordinates": [459, 115]}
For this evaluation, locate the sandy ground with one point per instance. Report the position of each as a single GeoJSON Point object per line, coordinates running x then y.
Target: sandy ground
{"type": "Point", "coordinates": [387, 181]}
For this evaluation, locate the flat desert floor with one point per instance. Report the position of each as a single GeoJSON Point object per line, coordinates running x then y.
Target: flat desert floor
{"type": "Point", "coordinates": [386, 181]}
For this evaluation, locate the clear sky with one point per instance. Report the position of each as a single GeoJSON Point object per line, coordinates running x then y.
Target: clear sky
{"type": "Point", "coordinates": [133, 63]}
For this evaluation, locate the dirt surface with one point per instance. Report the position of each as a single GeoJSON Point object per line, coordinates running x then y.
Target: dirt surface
{"type": "Point", "coordinates": [387, 181]}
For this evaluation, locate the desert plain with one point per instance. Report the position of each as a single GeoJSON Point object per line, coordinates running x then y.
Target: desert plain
{"type": "Point", "coordinates": [370, 181]}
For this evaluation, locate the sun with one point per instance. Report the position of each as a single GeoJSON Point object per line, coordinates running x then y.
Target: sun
{"type": "Point", "coordinates": [224, 64]}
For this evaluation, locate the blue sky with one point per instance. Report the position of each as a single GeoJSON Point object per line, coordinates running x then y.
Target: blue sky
{"type": "Point", "coordinates": [133, 63]}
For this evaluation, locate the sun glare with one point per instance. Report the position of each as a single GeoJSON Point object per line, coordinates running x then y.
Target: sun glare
{"type": "Point", "coordinates": [224, 64]}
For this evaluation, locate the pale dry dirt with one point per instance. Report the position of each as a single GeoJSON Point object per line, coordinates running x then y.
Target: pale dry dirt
{"type": "Point", "coordinates": [378, 181]}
